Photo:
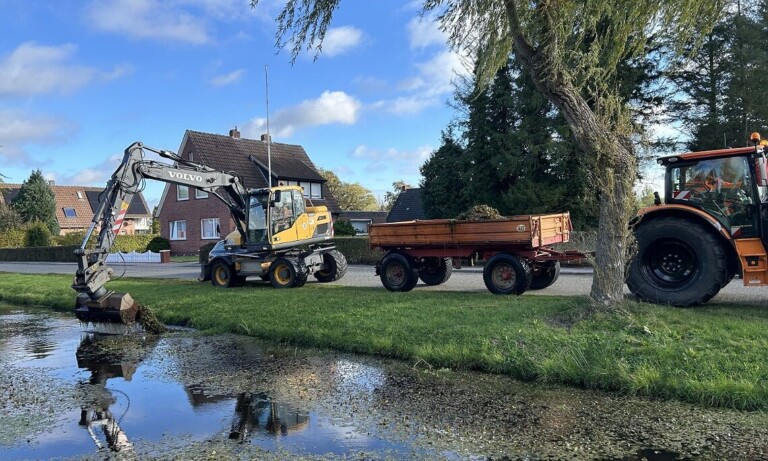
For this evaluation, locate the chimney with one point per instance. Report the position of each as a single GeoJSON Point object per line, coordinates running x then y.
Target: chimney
{"type": "Point", "coordinates": [234, 133]}
{"type": "Point", "coordinates": [266, 138]}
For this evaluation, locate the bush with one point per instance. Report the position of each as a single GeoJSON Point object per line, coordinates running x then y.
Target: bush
{"type": "Point", "coordinates": [37, 235]}
{"type": "Point", "coordinates": [73, 238]}
{"type": "Point", "coordinates": [343, 227]}
{"type": "Point", "coordinates": [13, 238]}
{"type": "Point", "coordinates": [158, 243]}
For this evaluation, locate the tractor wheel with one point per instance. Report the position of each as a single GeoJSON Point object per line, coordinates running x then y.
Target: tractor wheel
{"type": "Point", "coordinates": [544, 275]}
{"type": "Point", "coordinates": [223, 275]}
{"type": "Point", "coordinates": [336, 265]}
{"type": "Point", "coordinates": [397, 273]}
{"type": "Point", "coordinates": [436, 271]}
{"type": "Point", "coordinates": [506, 274]}
{"type": "Point", "coordinates": [286, 273]}
{"type": "Point", "coordinates": [678, 262]}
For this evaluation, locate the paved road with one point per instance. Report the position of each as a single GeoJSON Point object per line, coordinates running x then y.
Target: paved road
{"type": "Point", "coordinates": [572, 281]}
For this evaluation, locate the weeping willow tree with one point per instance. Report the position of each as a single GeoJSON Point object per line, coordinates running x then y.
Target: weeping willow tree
{"type": "Point", "coordinates": [572, 49]}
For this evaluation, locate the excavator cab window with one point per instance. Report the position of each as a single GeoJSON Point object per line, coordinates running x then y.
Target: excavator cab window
{"type": "Point", "coordinates": [722, 187]}
{"type": "Point", "coordinates": [283, 215]}
{"type": "Point", "coordinates": [257, 218]}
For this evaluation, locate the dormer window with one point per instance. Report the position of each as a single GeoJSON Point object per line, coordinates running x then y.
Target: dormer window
{"type": "Point", "coordinates": [80, 195]}
{"type": "Point", "coordinates": [70, 213]}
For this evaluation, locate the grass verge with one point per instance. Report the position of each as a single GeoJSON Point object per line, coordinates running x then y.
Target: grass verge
{"type": "Point", "coordinates": [714, 355]}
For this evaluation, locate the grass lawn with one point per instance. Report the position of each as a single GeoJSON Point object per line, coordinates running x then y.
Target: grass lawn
{"type": "Point", "coordinates": [714, 355]}
{"type": "Point", "coordinates": [184, 259]}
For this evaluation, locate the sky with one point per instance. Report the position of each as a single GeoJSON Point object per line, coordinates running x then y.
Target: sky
{"type": "Point", "coordinates": [80, 80]}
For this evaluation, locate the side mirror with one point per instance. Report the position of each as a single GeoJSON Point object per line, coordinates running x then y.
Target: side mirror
{"type": "Point", "coordinates": [761, 171]}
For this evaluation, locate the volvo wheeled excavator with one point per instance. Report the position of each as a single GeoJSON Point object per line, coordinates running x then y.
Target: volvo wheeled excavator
{"type": "Point", "coordinates": [279, 238]}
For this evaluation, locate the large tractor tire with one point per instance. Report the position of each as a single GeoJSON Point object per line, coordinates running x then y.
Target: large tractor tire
{"type": "Point", "coordinates": [397, 273]}
{"type": "Point", "coordinates": [544, 275]}
{"type": "Point", "coordinates": [436, 271]}
{"type": "Point", "coordinates": [678, 262]}
{"type": "Point", "coordinates": [223, 275]}
{"type": "Point", "coordinates": [337, 267]}
{"type": "Point", "coordinates": [287, 273]}
{"type": "Point", "coordinates": [506, 274]}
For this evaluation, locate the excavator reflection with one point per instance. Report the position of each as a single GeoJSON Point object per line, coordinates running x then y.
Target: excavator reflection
{"type": "Point", "coordinates": [102, 424]}
{"type": "Point", "coordinates": [257, 412]}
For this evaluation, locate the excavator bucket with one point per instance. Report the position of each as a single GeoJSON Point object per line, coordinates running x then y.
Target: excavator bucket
{"type": "Point", "coordinates": [110, 308]}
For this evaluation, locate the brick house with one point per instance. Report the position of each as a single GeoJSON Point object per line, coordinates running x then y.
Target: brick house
{"type": "Point", "coordinates": [190, 218]}
{"type": "Point", "coordinates": [75, 206]}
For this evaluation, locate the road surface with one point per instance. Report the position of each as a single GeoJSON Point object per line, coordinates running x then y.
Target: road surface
{"type": "Point", "coordinates": [572, 281]}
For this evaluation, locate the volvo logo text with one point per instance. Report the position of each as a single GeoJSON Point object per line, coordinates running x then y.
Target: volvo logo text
{"type": "Point", "coordinates": [185, 176]}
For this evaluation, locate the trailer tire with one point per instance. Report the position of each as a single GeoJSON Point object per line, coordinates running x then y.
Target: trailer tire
{"type": "Point", "coordinates": [223, 275]}
{"type": "Point", "coordinates": [544, 275]}
{"type": "Point", "coordinates": [678, 262]}
{"type": "Point", "coordinates": [436, 271]}
{"type": "Point", "coordinates": [397, 273]}
{"type": "Point", "coordinates": [286, 273]}
{"type": "Point", "coordinates": [337, 267]}
{"type": "Point", "coordinates": [506, 274]}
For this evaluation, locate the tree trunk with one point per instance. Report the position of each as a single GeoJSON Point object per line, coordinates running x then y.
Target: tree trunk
{"type": "Point", "coordinates": [615, 162]}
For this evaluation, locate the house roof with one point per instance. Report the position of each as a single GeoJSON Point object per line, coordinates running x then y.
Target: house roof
{"type": "Point", "coordinates": [407, 207]}
{"type": "Point", "coordinates": [249, 159]}
{"type": "Point", "coordinates": [83, 203]}
{"type": "Point", "coordinates": [376, 217]}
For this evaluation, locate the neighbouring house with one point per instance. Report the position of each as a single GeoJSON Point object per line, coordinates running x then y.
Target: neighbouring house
{"type": "Point", "coordinates": [75, 206]}
{"type": "Point", "coordinates": [407, 207]}
{"type": "Point", "coordinates": [192, 218]}
{"type": "Point", "coordinates": [360, 220]}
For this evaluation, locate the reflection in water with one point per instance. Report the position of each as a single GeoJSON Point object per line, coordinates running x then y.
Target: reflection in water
{"type": "Point", "coordinates": [256, 411]}
{"type": "Point", "coordinates": [28, 334]}
{"type": "Point", "coordinates": [95, 415]}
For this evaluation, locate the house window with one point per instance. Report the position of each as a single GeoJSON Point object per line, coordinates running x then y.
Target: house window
{"type": "Point", "coordinates": [178, 230]}
{"type": "Point", "coordinates": [182, 193]}
{"type": "Point", "coordinates": [70, 213]}
{"type": "Point", "coordinates": [80, 195]}
{"type": "Point", "coordinates": [360, 225]}
{"type": "Point", "coordinates": [316, 190]}
{"type": "Point", "coordinates": [199, 194]}
{"type": "Point", "coordinates": [209, 228]}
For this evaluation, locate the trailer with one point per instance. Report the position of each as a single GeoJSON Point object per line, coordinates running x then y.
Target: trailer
{"type": "Point", "coordinates": [518, 251]}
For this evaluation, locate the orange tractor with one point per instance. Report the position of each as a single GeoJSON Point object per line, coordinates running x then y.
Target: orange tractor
{"type": "Point", "coordinates": [712, 226]}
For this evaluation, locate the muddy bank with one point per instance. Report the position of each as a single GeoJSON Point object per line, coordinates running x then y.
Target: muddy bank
{"type": "Point", "coordinates": [65, 393]}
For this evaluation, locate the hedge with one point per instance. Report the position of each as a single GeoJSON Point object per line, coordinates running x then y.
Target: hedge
{"type": "Point", "coordinates": [357, 250]}
{"type": "Point", "coordinates": [54, 254]}
{"type": "Point", "coordinates": [12, 243]}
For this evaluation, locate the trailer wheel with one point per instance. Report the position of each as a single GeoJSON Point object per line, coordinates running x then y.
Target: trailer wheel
{"type": "Point", "coordinates": [544, 274]}
{"type": "Point", "coordinates": [506, 274]}
{"type": "Point", "coordinates": [337, 267]}
{"type": "Point", "coordinates": [678, 262]}
{"type": "Point", "coordinates": [286, 273]}
{"type": "Point", "coordinates": [223, 275]}
{"type": "Point", "coordinates": [397, 273]}
{"type": "Point", "coordinates": [436, 271]}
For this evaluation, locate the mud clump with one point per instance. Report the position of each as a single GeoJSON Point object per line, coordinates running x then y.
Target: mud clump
{"type": "Point", "coordinates": [479, 212]}
{"type": "Point", "coordinates": [146, 318]}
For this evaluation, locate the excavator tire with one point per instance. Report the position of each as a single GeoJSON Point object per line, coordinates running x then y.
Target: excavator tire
{"type": "Point", "coordinates": [506, 274]}
{"type": "Point", "coordinates": [544, 275]}
{"type": "Point", "coordinates": [287, 273]}
{"type": "Point", "coordinates": [678, 262]}
{"type": "Point", "coordinates": [337, 267]}
{"type": "Point", "coordinates": [223, 275]}
{"type": "Point", "coordinates": [397, 273]}
{"type": "Point", "coordinates": [436, 271]}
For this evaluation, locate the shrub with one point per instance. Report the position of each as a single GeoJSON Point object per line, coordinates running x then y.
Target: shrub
{"type": "Point", "coordinates": [342, 227]}
{"type": "Point", "coordinates": [158, 243]}
{"type": "Point", "coordinates": [37, 235]}
{"type": "Point", "coordinates": [13, 238]}
{"type": "Point", "coordinates": [72, 238]}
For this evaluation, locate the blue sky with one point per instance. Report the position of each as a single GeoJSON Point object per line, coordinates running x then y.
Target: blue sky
{"type": "Point", "coordinates": [80, 80]}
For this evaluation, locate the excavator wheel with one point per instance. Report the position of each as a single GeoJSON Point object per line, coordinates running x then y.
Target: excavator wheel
{"type": "Point", "coordinates": [223, 275]}
{"type": "Point", "coordinates": [678, 262]}
{"type": "Point", "coordinates": [287, 273]}
{"type": "Point", "coordinates": [336, 265]}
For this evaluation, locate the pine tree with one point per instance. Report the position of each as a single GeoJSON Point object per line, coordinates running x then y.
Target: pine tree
{"type": "Point", "coordinates": [36, 202]}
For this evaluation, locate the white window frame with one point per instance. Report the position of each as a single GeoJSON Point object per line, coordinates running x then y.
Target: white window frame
{"type": "Point", "coordinates": [367, 223]}
{"type": "Point", "coordinates": [215, 222]}
{"type": "Point", "coordinates": [200, 194]}
{"type": "Point", "coordinates": [316, 190]}
{"type": "Point", "coordinates": [179, 195]}
{"type": "Point", "coordinates": [174, 227]}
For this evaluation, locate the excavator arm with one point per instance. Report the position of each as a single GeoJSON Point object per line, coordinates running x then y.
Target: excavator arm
{"type": "Point", "coordinates": [94, 302]}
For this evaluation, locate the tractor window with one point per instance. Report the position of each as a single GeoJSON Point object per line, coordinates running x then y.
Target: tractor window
{"type": "Point", "coordinates": [257, 219]}
{"type": "Point", "coordinates": [721, 187]}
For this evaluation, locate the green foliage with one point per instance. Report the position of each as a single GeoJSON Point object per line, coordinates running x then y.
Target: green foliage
{"type": "Point", "coordinates": [357, 250]}
{"type": "Point", "coordinates": [349, 196]}
{"type": "Point", "coordinates": [37, 235]}
{"type": "Point", "coordinates": [158, 243]}
{"type": "Point", "coordinates": [155, 221]}
{"type": "Point", "coordinates": [13, 238]}
{"type": "Point", "coordinates": [9, 218]}
{"type": "Point", "coordinates": [37, 202]}
{"type": "Point", "coordinates": [343, 227]}
{"type": "Point", "coordinates": [129, 243]}
{"type": "Point", "coordinates": [391, 196]}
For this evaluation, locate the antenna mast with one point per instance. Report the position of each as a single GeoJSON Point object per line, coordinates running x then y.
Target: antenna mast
{"type": "Point", "coordinates": [269, 136]}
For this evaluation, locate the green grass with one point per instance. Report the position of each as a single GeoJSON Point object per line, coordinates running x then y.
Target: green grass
{"type": "Point", "coordinates": [714, 355]}
{"type": "Point", "coordinates": [184, 259]}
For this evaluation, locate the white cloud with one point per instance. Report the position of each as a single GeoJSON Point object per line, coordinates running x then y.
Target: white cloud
{"type": "Point", "coordinates": [330, 108]}
{"type": "Point", "coordinates": [150, 19]}
{"type": "Point", "coordinates": [228, 79]}
{"type": "Point", "coordinates": [424, 32]}
{"type": "Point", "coordinates": [340, 40]}
{"type": "Point", "coordinates": [33, 69]}
{"type": "Point", "coordinates": [91, 176]}
{"type": "Point", "coordinates": [407, 162]}
{"type": "Point", "coordinates": [18, 129]}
